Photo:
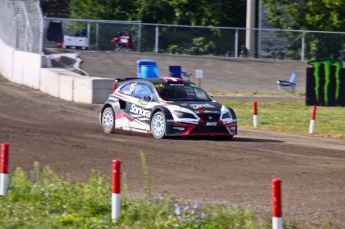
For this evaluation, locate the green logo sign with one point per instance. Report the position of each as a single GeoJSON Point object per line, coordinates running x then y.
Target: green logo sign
{"type": "Point", "coordinates": [328, 74]}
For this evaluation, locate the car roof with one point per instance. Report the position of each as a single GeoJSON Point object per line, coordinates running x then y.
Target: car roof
{"type": "Point", "coordinates": [162, 80]}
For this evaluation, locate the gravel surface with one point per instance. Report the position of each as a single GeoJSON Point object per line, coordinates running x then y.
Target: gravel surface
{"type": "Point", "coordinates": [67, 137]}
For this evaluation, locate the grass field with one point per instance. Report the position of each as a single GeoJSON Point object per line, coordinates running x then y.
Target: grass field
{"type": "Point", "coordinates": [226, 93]}
{"type": "Point", "coordinates": [288, 117]}
{"type": "Point", "coordinates": [292, 117]}
{"type": "Point", "coordinates": [45, 200]}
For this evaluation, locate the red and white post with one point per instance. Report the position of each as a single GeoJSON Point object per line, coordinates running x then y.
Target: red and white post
{"type": "Point", "coordinates": [255, 115]}
{"type": "Point", "coordinates": [116, 196]}
{"type": "Point", "coordinates": [4, 170]}
{"type": "Point", "coordinates": [312, 120]}
{"type": "Point", "coordinates": [277, 220]}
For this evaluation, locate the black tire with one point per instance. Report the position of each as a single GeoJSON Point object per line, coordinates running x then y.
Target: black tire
{"type": "Point", "coordinates": [108, 120]}
{"type": "Point", "coordinates": [158, 125]}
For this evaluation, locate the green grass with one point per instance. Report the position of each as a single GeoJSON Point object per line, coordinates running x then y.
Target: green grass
{"type": "Point", "coordinates": [291, 117]}
{"type": "Point", "coordinates": [237, 93]}
{"type": "Point", "coordinates": [45, 200]}
{"type": "Point", "coordinates": [42, 199]}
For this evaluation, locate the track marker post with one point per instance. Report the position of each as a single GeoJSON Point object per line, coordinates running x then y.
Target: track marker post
{"type": "Point", "coordinates": [4, 169]}
{"type": "Point", "coordinates": [199, 74]}
{"type": "Point", "coordinates": [312, 120]}
{"type": "Point", "coordinates": [116, 196]}
{"type": "Point", "coordinates": [277, 220]}
{"type": "Point", "coordinates": [255, 115]}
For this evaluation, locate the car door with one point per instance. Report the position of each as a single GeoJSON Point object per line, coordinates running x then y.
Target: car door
{"type": "Point", "coordinates": [123, 117]}
{"type": "Point", "coordinates": [140, 110]}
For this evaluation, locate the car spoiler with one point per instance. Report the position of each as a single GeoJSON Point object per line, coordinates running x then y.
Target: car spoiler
{"type": "Point", "coordinates": [123, 79]}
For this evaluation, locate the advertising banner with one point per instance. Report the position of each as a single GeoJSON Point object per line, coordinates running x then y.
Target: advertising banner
{"type": "Point", "coordinates": [325, 84]}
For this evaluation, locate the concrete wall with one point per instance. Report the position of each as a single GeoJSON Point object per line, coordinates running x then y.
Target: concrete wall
{"type": "Point", "coordinates": [25, 68]}
{"type": "Point", "coordinates": [6, 59]}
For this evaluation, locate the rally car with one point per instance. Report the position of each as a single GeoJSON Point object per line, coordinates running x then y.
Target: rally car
{"type": "Point", "coordinates": [165, 106]}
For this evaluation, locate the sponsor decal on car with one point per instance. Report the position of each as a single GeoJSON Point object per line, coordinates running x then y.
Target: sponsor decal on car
{"type": "Point", "coordinates": [139, 112]}
{"type": "Point", "coordinates": [128, 92]}
{"type": "Point", "coordinates": [177, 84]}
{"type": "Point", "coordinates": [159, 85]}
{"type": "Point", "coordinates": [179, 128]}
{"type": "Point", "coordinates": [211, 123]}
{"type": "Point", "coordinates": [197, 106]}
{"type": "Point", "coordinates": [207, 112]}
{"type": "Point", "coordinates": [170, 120]}
{"type": "Point", "coordinates": [142, 102]}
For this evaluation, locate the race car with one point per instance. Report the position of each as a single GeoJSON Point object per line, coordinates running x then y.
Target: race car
{"type": "Point", "coordinates": [165, 106]}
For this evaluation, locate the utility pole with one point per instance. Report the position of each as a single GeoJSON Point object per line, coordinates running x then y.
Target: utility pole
{"type": "Point", "coordinates": [250, 26]}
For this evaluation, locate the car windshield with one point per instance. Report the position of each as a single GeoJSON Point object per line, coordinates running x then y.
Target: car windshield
{"type": "Point", "coordinates": [181, 92]}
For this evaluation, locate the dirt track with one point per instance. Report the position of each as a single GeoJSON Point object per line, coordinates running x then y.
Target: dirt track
{"type": "Point", "coordinates": [67, 136]}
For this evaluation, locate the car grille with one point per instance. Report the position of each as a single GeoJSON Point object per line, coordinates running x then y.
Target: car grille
{"type": "Point", "coordinates": [209, 117]}
{"type": "Point", "coordinates": [209, 129]}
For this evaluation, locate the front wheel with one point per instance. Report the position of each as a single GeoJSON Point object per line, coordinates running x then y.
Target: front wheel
{"type": "Point", "coordinates": [158, 125]}
{"type": "Point", "coordinates": [108, 120]}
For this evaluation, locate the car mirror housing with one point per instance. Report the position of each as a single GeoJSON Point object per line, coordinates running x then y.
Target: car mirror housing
{"type": "Point", "coordinates": [147, 98]}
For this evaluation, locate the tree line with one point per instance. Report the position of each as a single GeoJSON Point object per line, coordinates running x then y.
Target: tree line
{"type": "Point", "coordinates": [320, 15]}
{"type": "Point", "coordinates": [310, 15]}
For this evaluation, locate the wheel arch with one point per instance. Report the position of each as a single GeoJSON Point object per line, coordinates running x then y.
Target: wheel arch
{"type": "Point", "coordinates": [168, 116]}
{"type": "Point", "coordinates": [166, 112]}
{"type": "Point", "coordinates": [106, 106]}
{"type": "Point", "coordinates": [232, 112]}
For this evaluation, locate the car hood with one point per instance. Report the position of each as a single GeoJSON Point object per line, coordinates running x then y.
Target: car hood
{"type": "Point", "coordinates": [206, 107]}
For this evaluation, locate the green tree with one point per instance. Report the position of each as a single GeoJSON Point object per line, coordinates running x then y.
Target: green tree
{"type": "Point", "coordinates": [55, 8]}
{"type": "Point", "coordinates": [227, 13]}
{"type": "Point", "coordinates": [192, 12]}
{"type": "Point", "coordinates": [102, 9]}
{"type": "Point", "coordinates": [317, 15]}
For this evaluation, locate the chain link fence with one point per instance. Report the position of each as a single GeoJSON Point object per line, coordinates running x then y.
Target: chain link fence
{"type": "Point", "coordinates": [21, 25]}
{"type": "Point", "coordinates": [211, 41]}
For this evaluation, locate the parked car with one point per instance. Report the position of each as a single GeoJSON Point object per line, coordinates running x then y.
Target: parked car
{"type": "Point", "coordinates": [166, 106]}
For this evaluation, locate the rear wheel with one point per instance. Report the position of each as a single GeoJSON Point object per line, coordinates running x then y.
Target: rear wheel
{"type": "Point", "coordinates": [158, 125]}
{"type": "Point", "coordinates": [108, 120]}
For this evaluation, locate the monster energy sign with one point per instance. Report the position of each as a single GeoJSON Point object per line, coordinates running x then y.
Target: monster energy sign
{"type": "Point", "coordinates": [325, 83]}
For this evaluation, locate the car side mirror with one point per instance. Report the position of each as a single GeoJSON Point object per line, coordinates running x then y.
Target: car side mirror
{"type": "Point", "coordinates": [147, 98]}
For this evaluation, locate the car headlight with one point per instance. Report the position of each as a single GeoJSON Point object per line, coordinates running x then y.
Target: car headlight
{"type": "Point", "coordinates": [180, 114]}
{"type": "Point", "coordinates": [227, 115]}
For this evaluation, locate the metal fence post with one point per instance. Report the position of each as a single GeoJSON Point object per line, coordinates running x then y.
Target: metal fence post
{"type": "Point", "coordinates": [156, 39]}
{"type": "Point", "coordinates": [41, 26]}
{"type": "Point", "coordinates": [97, 31]}
{"type": "Point", "coordinates": [236, 43]}
{"type": "Point", "coordinates": [302, 51]}
{"type": "Point", "coordinates": [139, 37]}
{"type": "Point", "coordinates": [88, 33]}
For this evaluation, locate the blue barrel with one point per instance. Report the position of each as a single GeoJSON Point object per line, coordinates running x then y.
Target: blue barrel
{"type": "Point", "coordinates": [147, 69]}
